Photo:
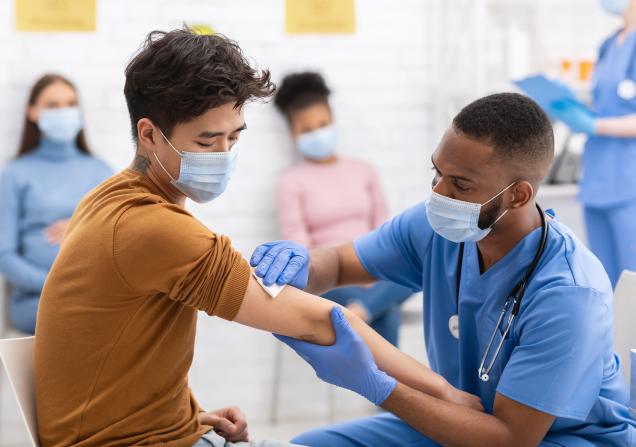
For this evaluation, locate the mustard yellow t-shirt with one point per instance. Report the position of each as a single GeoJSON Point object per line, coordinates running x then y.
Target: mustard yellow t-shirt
{"type": "Point", "coordinates": [117, 319]}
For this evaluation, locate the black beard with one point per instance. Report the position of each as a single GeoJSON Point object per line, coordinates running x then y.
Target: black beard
{"type": "Point", "coordinates": [490, 213]}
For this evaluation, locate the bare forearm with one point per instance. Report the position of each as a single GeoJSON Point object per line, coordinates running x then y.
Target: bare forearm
{"type": "Point", "coordinates": [323, 270]}
{"type": "Point", "coordinates": [623, 126]}
{"type": "Point", "coordinates": [449, 424]}
{"type": "Point", "coordinates": [397, 364]}
{"type": "Point", "coordinates": [335, 267]}
{"type": "Point", "coordinates": [300, 315]}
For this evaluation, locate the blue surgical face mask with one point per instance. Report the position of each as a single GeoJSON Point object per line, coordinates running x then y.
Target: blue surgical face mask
{"type": "Point", "coordinates": [456, 220]}
{"type": "Point", "coordinates": [203, 176]}
{"type": "Point", "coordinates": [60, 125]}
{"type": "Point", "coordinates": [318, 144]}
{"type": "Point", "coordinates": [616, 7]}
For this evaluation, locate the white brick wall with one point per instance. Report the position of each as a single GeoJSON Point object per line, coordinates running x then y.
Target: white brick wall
{"type": "Point", "coordinates": [389, 85]}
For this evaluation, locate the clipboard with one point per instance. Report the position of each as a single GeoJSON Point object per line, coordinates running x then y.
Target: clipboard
{"type": "Point", "coordinates": [546, 92]}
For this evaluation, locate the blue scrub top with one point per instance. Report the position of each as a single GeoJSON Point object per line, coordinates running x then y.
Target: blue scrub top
{"type": "Point", "coordinates": [559, 357]}
{"type": "Point", "coordinates": [609, 163]}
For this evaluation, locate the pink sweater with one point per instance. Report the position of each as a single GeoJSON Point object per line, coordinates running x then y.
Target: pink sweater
{"type": "Point", "coordinates": [328, 204]}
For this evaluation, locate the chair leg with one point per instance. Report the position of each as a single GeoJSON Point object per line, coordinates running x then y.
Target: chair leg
{"type": "Point", "coordinates": [276, 382]}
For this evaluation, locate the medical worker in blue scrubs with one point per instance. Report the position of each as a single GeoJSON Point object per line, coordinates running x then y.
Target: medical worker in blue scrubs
{"type": "Point", "coordinates": [545, 370]}
{"type": "Point", "coordinates": [608, 186]}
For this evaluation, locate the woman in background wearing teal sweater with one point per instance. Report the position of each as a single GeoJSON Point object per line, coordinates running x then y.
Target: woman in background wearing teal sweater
{"type": "Point", "coordinates": [39, 190]}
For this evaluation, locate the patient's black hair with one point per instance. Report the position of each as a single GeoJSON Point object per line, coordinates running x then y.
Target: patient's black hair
{"type": "Point", "coordinates": [178, 75]}
{"type": "Point", "coordinates": [513, 125]}
{"type": "Point", "coordinates": [301, 90]}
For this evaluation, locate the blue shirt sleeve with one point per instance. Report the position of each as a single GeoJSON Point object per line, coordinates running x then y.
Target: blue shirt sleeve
{"type": "Point", "coordinates": [17, 270]}
{"type": "Point", "coordinates": [557, 367]}
{"type": "Point", "coordinates": [102, 170]}
{"type": "Point", "coordinates": [395, 251]}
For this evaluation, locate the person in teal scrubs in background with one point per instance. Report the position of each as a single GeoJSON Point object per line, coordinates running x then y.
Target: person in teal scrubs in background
{"type": "Point", "coordinates": [608, 186]}
{"type": "Point", "coordinates": [39, 190]}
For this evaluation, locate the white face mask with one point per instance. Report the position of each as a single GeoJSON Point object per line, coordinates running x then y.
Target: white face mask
{"type": "Point", "coordinates": [203, 176]}
{"type": "Point", "coordinates": [60, 125]}
{"type": "Point", "coordinates": [318, 144]}
{"type": "Point", "coordinates": [616, 7]}
{"type": "Point", "coordinates": [456, 220]}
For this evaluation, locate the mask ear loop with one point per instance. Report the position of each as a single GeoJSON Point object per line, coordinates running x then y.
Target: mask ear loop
{"type": "Point", "coordinates": [500, 193]}
{"type": "Point", "coordinates": [175, 149]}
{"type": "Point", "coordinates": [495, 196]}
{"type": "Point", "coordinates": [159, 161]}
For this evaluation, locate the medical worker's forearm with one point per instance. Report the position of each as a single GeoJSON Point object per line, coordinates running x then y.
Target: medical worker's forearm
{"type": "Point", "coordinates": [454, 425]}
{"type": "Point", "coordinates": [333, 267]}
{"type": "Point", "coordinates": [323, 270]}
{"type": "Point", "coordinates": [623, 126]}
{"type": "Point", "coordinates": [446, 423]}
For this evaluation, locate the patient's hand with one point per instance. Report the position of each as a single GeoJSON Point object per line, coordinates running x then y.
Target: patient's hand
{"type": "Point", "coordinates": [460, 397]}
{"type": "Point", "coordinates": [55, 232]}
{"type": "Point", "coordinates": [228, 422]}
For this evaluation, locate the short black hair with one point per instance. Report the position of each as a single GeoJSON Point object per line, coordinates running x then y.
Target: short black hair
{"type": "Point", "coordinates": [301, 90]}
{"type": "Point", "coordinates": [179, 75]}
{"type": "Point", "coordinates": [514, 125]}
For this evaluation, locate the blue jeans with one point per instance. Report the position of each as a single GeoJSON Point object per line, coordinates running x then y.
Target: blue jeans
{"type": "Point", "coordinates": [382, 302]}
{"type": "Point", "coordinates": [211, 439]}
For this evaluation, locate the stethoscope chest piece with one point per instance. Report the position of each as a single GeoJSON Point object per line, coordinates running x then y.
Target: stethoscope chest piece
{"type": "Point", "coordinates": [627, 89]}
{"type": "Point", "coordinates": [453, 326]}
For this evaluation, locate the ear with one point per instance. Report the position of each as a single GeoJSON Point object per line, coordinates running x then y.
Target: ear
{"type": "Point", "coordinates": [522, 193]}
{"type": "Point", "coordinates": [146, 135]}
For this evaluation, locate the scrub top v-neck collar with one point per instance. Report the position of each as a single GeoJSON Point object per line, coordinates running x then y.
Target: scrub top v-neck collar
{"type": "Point", "coordinates": [504, 271]}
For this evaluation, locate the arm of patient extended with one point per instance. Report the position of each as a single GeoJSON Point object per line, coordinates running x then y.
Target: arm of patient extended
{"type": "Point", "coordinates": [300, 315]}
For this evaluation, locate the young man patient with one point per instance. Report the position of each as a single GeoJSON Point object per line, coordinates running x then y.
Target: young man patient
{"type": "Point", "coordinates": [117, 321]}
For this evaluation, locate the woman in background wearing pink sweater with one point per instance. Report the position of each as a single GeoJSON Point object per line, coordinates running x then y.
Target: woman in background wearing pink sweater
{"type": "Point", "coordinates": [325, 200]}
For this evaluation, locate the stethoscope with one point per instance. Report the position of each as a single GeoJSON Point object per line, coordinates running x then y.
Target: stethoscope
{"type": "Point", "coordinates": [513, 300]}
{"type": "Point", "coordinates": [626, 89]}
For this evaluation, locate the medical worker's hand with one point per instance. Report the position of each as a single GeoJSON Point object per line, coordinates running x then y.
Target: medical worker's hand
{"type": "Point", "coordinates": [347, 363]}
{"type": "Point", "coordinates": [463, 398]}
{"type": "Point", "coordinates": [282, 262]}
{"type": "Point", "coordinates": [229, 423]}
{"type": "Point", "coordinates": [574, 116]}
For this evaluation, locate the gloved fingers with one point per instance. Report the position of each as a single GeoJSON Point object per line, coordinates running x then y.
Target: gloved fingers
{"type": "Point", "coordinates": [302, 348]}
{"type": "Point", "coordinates": [295, 265]}
{"type": "Point", "coordinates": [259, 252]}
{"type": "Point", "coordinates": [277, 266]}
{"type": "Point", "coordinates": [340, 325]}
{"type": "Point", "coordinates": [559, 106]}
{"type": "Point", "coordinates": [266, 261]}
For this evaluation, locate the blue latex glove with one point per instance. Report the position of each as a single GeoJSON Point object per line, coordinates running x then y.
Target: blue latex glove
{"type": "Point", "coordinates": [282, 262]}
{"type": "Point", "coordinates": [577, 118]}
{"type": "Point", "coordinates": [347, 363]}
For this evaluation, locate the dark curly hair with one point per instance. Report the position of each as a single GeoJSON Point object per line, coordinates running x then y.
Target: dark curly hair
{"type": "Point", "coordinates": [300, 90]}
{"type": "Point", "coordinates": [514, 125]}
{"type": "Point", "coordinates": [179, 75]}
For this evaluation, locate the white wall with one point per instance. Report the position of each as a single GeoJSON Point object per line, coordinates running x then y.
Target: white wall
{"type": "Point", "coordinates": [389, 89]}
